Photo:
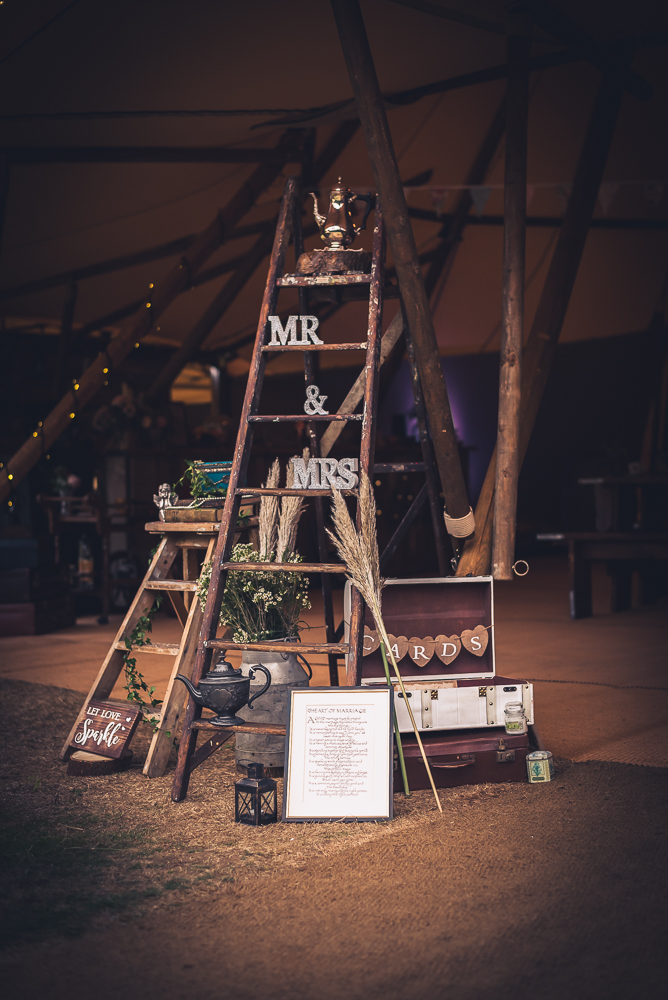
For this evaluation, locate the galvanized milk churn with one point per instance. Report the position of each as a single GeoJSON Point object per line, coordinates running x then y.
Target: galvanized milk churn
{"type": "Point", "coordinates": [286, 673]}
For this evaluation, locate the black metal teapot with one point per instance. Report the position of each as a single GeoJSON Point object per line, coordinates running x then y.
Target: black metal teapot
{"type": "Point", "coordinates": [225, 690]}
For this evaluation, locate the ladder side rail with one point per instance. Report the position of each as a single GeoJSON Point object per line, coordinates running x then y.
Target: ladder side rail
{"type": "Point", "coordinates": [310, 371]}
{"type": "Point", "coordinates": [175, 694]}
{"type": "Point", "coordinates": [250, 405]}
{"type": "Point", "coordinates": [113, 662]}
{"type": "Point", "coordinates": [232, 500]}
{"type": "Point", "coordinates": [368, 442]}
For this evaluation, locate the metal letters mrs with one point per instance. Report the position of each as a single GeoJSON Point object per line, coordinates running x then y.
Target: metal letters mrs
{"type": "Point", "coordinates": [324, 474]}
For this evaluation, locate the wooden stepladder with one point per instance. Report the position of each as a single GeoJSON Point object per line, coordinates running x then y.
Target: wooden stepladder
{"type": "Point", "coordinates": [185, 539]}
{"type": "Point", "coordinates": [188, 760]}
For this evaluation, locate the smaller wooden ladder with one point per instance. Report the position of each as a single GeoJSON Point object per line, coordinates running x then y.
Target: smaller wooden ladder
{"type": "Point", "coordinates": [177, 538]}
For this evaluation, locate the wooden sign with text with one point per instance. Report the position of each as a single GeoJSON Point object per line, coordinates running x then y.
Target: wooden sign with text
{"type": "Point", "coordinates": [106, 728]}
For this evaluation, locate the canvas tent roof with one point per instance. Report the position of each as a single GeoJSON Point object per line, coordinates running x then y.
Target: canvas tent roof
{"type": "Point", "coordinates": [163, 57]}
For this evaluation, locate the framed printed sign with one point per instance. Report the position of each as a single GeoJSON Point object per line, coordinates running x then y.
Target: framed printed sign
{"type": "Point", "coordinates": [338, 755]}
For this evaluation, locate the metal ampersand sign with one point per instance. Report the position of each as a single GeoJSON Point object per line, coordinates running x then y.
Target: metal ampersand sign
{"type": "Point", "coordinates": [314, 402]}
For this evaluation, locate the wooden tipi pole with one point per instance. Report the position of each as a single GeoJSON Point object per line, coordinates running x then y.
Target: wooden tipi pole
{"type": "Point", "coordinates": [512, 323]}
{"type": "Point", "coordinates": [553, 303]}
{"type": "Point", "coordinates": [179, 278]}
{"type": "Point", "coordinates": [372, 114]}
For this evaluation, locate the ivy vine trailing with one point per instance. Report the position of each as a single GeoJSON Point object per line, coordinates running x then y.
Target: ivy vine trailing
{"type": "Point", "coordinates": [136, 685]}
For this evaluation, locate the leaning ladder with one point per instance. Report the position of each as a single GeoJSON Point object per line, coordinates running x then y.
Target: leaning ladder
{"type": "Point", "coordinates": [178, 538]}
{"type": "Point", "coordinates": [276, 279]}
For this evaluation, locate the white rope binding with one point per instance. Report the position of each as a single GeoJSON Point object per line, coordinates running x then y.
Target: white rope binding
{"type": "Point", "coordinates": [460, 527]}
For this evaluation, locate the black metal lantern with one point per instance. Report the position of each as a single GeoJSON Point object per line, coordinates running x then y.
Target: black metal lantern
{"type": "Point", "coordinates": [255, 800]}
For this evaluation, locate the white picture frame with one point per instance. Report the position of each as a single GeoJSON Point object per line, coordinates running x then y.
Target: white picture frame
{"type": "Point", "coordinates": [338, 755]}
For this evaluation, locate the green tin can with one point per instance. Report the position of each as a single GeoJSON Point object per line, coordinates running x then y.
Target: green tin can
{"type": "Point", "coordinates": [540, 766]}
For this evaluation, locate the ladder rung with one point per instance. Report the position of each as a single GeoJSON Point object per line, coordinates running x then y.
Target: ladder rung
{"type": "Point", "coordinates": [265, 728]}
{"type": "Point", "coordinates": [166, 648]}
{"type": "Point", "coordinates": [316, 347]}
{"type": "Point", "coordinates": [283, 491]}
{"type": "Point", "coordinates": [187, 527]}
{"type": "Point", "coordinates": [296, 280]}
{"type": "Point", "coordinates": [283, 647]}
{"type": "Point", "coordinates": [298, 417]}
{"type": "Point", "coordinates": [171, 585]}
{"type": "Point", "coordinates": [267, 567]}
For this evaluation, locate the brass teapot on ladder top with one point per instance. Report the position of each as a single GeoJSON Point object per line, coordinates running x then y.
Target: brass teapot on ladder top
{"type": "Point", "coordinates": [337, 229]}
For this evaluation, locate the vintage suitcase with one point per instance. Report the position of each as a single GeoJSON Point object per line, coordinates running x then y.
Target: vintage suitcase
{"type": "Point", "coordinates": [469, 757]}
{"type": "Point", "coordinates": [426, 618]}
{"type": "Point", "coordinates": [467, 703]}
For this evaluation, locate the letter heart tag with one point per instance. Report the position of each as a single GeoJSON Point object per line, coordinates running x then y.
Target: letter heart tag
{"type": "Point", "coordinates": [447, 648]}
{"type": "Point", "coordinates": [421, 650]}
{"type": "Point", "coordinates": [399, 646]}
{"type": "Point", "coordinates": [475, 640]}
{"type": "Point", "coordinates": [371, 641]}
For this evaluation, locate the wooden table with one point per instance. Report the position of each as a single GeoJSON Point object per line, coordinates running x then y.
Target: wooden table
{"type": "Point", "coordinates": [623, 552]}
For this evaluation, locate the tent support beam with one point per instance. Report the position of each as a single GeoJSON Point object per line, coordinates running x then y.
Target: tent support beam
{"type": "Point", "coordinates": [215, 311]}
{"type": "Point", "coordinates": [442, 257]}
{"type": "Point", "coordinates": [373, 117]}
{"type": "Point", "coordinates": [142, 154]}
{"type": "Point", "coordinates": [179, 278]}
{"type": "Point", "coordinates": [512, 307]}
{"type": "Point", "coordinates": [553, 304]}
{"type": "Point", "coordinates": [247, 266]}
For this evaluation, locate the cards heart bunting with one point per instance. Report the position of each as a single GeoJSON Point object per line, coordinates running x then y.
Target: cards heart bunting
{"type": "Point", "coordinates": [371, 641]}
{"type": "Point", "coordinates": [398, 645]}
{"type": "Point", "coordinates": [475, 640]}
{"type": "Point", "coordinates": [421, 650]}
{"type": "Point", "coordinates": [447, 647]}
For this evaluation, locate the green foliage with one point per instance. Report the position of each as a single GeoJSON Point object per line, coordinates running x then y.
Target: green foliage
{"type": "Point", "coordinates": [199, 484]}
{"type": "Point", "coordinates": [259, 605]}
{"type": "Point", "coordinates": [135, 683]}
{"type": "Point", "coordinates": [49, 870]}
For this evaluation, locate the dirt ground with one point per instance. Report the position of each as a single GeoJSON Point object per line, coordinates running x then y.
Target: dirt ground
{"type": "Point", "coordinates": [111, 890]}
{"type": "Point", "coordinates": [515, 890]}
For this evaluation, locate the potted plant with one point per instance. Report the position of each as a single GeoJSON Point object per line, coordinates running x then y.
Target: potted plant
{"type": "Point", "coordinates": [266, 606]}
{"type": "Point", "coordinates": [207, 483]}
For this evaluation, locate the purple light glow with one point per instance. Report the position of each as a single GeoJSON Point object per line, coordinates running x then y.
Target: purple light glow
{"type": "Point", "coordinates": [472, 383]}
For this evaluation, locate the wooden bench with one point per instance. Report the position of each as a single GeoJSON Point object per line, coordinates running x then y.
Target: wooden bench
{"type": "Point", "coordinates": [623, 552]}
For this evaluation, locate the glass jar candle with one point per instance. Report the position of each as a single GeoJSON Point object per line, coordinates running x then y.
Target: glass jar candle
{"type": "Point", "coordinates": [515, 718]}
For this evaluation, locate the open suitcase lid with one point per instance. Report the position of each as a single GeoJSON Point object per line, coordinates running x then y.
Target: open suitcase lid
{"type": "Point", "coordinates": [434, 612]}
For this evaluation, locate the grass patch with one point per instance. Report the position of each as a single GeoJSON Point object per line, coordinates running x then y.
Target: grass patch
{"type": "Point", "coordinates": [49, 869]}
{"type": "Point", "coordinates": [176, 883]}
